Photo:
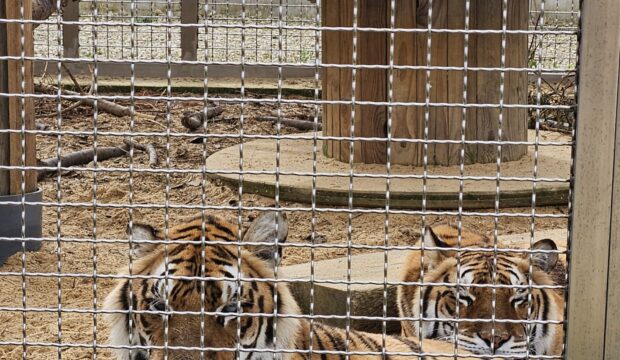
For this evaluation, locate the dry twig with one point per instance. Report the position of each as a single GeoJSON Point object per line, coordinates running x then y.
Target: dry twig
{"type": "Point", "coordinates": [148, 148]}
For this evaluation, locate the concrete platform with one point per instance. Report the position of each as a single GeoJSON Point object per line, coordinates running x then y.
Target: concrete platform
{"type": "Point", "coordinates": [367, 300]}
{"type": "Point", "coordinates": [333, 181]}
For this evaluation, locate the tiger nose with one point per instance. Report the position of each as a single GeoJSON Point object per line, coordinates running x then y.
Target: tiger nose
{"type": "Point", "coordinates": [498, 339]}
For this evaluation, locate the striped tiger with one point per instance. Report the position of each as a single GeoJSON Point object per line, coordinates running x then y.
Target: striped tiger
{"type": "Point", "coordinates": [227, 298]}
{"type": "Point", "coordinates": [515, 304]}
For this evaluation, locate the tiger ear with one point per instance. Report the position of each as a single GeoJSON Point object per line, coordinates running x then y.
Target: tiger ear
{"type": "Point", "coordinates": [140, 232]}
{"type": "Point", "coordinates": [263, 229]}
{"type": "Point", "coordinates": [545, 261]}
{"type": "Point", "coordinates": [431, 239]}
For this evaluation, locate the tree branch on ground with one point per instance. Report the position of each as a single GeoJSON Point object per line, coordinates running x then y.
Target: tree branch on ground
{"type": "Point", "coordinates": [298, 124]}
{"type": "Point", "coordinates": [87, 156]}
{"type": "Point", "coordinates": [194, 120]}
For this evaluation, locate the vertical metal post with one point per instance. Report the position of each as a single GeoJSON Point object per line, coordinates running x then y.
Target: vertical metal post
{"type": "Point", "coordinates": [189, 35]}
{"type": "Point", "coordinates": [71, 33]}
{"type": "Point", "coordinates": [593, 218]}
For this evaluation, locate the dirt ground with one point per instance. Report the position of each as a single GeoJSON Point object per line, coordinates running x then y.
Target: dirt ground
{"type": "Point", "coordinates": [80, 261]}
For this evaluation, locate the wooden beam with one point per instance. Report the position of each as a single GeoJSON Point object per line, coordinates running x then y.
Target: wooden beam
{"type": "Point", "coordinates": [4, 111]}
{"type": "Point", "coordinates": [593, 183]}
{"type": "Point", "coordinates": [71, 33]}
{"type": "Point", "coordinates": [189, 35]}
{"type": "Point", "coordinates": [612, 331]}
{"type": "Point", "coordinates": [17, 106]}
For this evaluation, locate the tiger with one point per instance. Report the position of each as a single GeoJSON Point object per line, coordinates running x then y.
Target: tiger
{"type": "Point", "coordinates": [285, 335]}
{"type": "Point", "coordinates": [514, 339]}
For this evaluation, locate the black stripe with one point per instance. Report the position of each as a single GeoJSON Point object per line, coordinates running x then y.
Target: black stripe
{"type": "Point", "coordinates": [177, 250]}
{"type": "Point", "coordinates": [337, 343]}
{"type": "Point", "coordinates": [436, 323]}
{"type": "Point", "coordinates": [319, 343]}
{"type": "Point", "coordinates": [467, 272]}
{"type": "Point", "coordinates": [412, 345]}
{"type": "Point", "coordinates": [427, 295]}
{"type": "Point", "coordinates": [545, 306]}
{"type": "Point", "coordinates": [218, 225]}
{"type": "Point", "coordinates": [220, 262]}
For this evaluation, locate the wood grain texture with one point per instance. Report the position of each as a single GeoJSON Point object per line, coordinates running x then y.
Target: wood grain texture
{"type": "Point", "coordinates": [372, 83]}
{"type": "Point", "coordinates": [342, 124]}
{"type": "Point", "coordinates": [71, 33]}
{"type": "Point", "coordinates": [487, 89]}
{"type": "Point", "coordinates": [407, 122]}
{"type": "Point", "coordinates": [455, 57]}
{"type": "Point", "coordinates": [330, 77]}
{"type": "Point", "coordinates": [4, 111]}
{"type": "Point", "coordinates": [515, 84]}
{"type": "Point", "coordinates": [189, 35]}
{"type": "Point", "coordinates": [612, 329]}
{"type": "Point", "coordinates": [439, 126]}
{"type": "Point", "coordinates": [16, 105]}
{"type": "Point", "coordinates": [594, 184]}
{"type": "Point", "coordinates": [444, 122]}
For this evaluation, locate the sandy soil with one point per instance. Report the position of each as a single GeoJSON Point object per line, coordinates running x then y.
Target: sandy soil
{"type": "Point", "coordinates": [78, 292]}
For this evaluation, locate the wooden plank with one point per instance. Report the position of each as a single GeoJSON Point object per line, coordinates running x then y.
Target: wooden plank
{"type": "Point", "coordinates": [471, 151]}
{"type": "Point", "coordinates": [371, 83]}
{"type": "Point", "coordinates": [456, 57]}
{"type": "Point", "coordinates": [407, 121]}
{"type": "Point", "coordinates": [487, 52]}
{"type": "Point", "coordinates": [342, 123]}
{"type": "Point", "coordinates": [515, 85]}
{"type": "Point", "coordinates": [4, 111]}
{"type": "Point", "coordinates": [71, 33]}
{"type": "Point", "coordinates": [421, 53]}
{"type": "Point", "coordinates": [612, 330]}
{"type": "Point", "coordinates": [189, 35]}
{"type": "Point", "coordinates": [330, 76]}
{"type": "Point", "coordinates": [593, 182]}
{"type": "Point", "coordinates": [14, 48]}
{"type": "Point", "coordinates": [439, 122]}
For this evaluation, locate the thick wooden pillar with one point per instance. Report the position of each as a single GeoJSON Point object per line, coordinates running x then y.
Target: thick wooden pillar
{"type": "Point", "coordinates": [447, 49]}
{"type": "Point", "coordinates": [13, 111]}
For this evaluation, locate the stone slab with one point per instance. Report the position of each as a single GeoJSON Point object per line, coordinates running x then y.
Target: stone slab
{"type": "Point", "coordinates": [369, 184]}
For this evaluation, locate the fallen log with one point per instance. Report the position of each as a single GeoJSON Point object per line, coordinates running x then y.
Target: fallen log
{"type": "Point", "coordinates": [194, 120]}
{"type": "Point", "coordinates": [87, 156]}
{"type": "Point", "coordinates": [102, 105]}
{"type": "Point", "coordinates": [298, 124]}
{"type": "Point", "coordinates": [81, 157]}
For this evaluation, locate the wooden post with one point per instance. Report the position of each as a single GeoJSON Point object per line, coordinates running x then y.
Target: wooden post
{"type": "Point", "coordinates": [189, 35]}
{"type": "Point", "coordinates": [410, 85]}
{"type": "Point", "coordinates": [612, 330]}
{"type": "Point", "coordinates": [11, 113]}
{"type": "Point", "coordinates": [4, 110]}
{"type": "Point", "coordinates": [71, 33]}
{"type": "Point", "coordinates": [593, 304]}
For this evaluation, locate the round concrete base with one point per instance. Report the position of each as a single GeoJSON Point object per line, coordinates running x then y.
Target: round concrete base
{"type": "Point", "coordinates": [406, 183]}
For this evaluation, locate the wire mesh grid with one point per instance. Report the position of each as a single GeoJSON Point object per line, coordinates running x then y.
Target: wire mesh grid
{"type": "Point", "coordinates": [112, 157]}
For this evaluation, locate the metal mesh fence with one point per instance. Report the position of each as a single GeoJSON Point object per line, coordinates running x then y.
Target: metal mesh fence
{"type": "Point", "coordinates": [420, 168]}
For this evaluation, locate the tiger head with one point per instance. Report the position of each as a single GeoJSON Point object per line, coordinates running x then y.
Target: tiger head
{"type": "Point", "coordinates": [190, 295]}
{"type": "Point", "coordinates": [498, 312]}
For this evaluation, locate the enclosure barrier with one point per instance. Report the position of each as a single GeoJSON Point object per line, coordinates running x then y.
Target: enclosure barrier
{"type": "Point", "coordinates": [594, 281]}
{"type": "Point", "coordinates": [124, 156]}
